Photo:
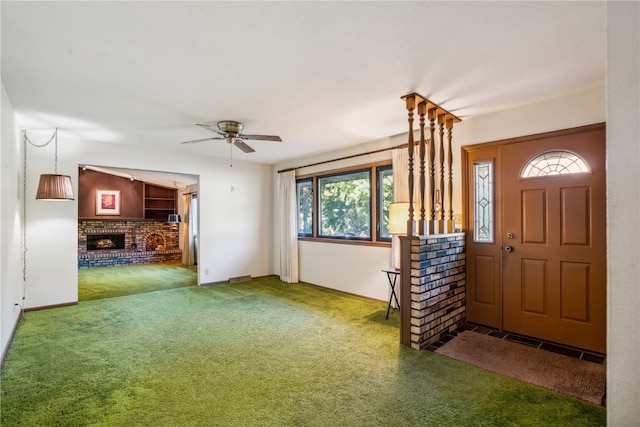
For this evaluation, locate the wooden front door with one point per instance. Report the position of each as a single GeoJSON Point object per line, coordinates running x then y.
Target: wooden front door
{"type": "Point", "coordinates": [549, 239]}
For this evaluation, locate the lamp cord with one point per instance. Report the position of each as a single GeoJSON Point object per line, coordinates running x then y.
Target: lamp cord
{"type": "Point", "coordinates": [24, 224]}
{"type": "Point", "coordinates": [24, 214]}
{"type": "Point", "coordinates": [54, 137]}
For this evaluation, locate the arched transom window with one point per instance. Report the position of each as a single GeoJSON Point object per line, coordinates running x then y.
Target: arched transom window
{"type": "Point", "coordinates": [555, 163]}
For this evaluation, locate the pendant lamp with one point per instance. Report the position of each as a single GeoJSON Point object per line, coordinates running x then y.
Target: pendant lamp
{"type": "Point", "coordinates": [53, 186]}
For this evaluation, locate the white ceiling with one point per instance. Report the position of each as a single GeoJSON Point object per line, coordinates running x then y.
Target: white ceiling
{"type": "Point", "coordinates": [322, 75]}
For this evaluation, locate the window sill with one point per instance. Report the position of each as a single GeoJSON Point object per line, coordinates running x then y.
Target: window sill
{"type": "Point", "coordinates": [345, 241]}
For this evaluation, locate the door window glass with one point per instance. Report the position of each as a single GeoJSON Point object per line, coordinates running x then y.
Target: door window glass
{"type": "Point", "coordinates": [554, 163]}
{"type": "Point", "coordinates": [483, 230]}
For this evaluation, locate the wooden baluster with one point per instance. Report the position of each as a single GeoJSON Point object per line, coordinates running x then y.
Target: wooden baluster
{"type": "Point", "coordinates": [450, 223]}
{"type": "Point", "coordinates": [441, 120]}
{"type": "Point", "coordinates": [422, 110]}
{"type": "Point", "coordinates": [432, 153]}
{"type": "Point", "coordinates": [411, 104]}
{"type": "Point", "coordinates": [433, 223]}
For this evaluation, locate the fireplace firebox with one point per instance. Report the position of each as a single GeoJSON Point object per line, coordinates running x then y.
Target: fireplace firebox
{"type": "Point", "coordinates": [99, 242]}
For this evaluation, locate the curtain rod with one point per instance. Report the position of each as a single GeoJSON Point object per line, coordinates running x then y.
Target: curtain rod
{"type": "Point", "coordinates": [343, 158]}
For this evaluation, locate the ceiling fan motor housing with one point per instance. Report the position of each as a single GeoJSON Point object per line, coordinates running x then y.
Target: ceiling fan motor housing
{"type": "Point", "coordinates": [230, 127]}
{"type": "Point", "coordinates": [231, 132]}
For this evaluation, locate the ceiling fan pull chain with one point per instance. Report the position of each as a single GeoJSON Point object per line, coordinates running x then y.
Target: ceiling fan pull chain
{"type": "Point", "coordinates": [230, 155]}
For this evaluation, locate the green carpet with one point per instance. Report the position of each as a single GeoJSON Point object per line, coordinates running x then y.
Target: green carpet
{"type": "Point", "coordinates": [109, 282]}
{"type": "Point", "coordinates": [258, 353]}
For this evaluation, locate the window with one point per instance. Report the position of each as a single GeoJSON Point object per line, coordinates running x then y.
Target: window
{"type": "Point", "coordinates": [384, 197]}
{"type": "Point", "coordinates": [483, 202]}
{"type": "Point", "coordinates": [349, 204]}
{"type": "Point", "coordinates": [554, 163]}
{"type": "Point", "coordinates": [304, 190]}
{"type": "Point", "coordinates": [345, 205]}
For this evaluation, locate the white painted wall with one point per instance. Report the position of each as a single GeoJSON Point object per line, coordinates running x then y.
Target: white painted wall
{"type": "Point", "coordinates": [10, 224]}
{"type": "Point", "coordinates": [348, 268]}
{"type": "Point", "coordinates": [623, 213]}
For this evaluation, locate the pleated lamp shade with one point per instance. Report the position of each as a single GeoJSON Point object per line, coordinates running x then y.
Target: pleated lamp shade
{"type": "Point", "coordinates": [54, 187]}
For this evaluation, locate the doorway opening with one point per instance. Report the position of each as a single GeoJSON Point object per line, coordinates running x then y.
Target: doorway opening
{"type": "Point", "coordinates": [137, 246]}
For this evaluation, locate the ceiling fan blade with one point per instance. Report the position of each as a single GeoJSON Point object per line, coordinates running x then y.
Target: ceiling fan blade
{"type": "Point", "coordinates": [243, 146]}
{"type": "Point", "coordinates": [207, 127]}
{"type": "Point", "coordinates": [199, 140]}
{"type": "Point", "coordinates": [263, 137]}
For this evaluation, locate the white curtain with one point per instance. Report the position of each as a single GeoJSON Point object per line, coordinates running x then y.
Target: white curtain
{"type": "Point", "coordinates": [190, 228]}
{"type": "Point", "coordinates": [288, 227]}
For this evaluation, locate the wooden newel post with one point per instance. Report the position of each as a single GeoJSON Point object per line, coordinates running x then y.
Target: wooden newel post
{"type": "Point", "coordinates": [405, 291]}
{"type": "Point", "coordinates": [451, 225]}
{"type": "Point", "coordinates": [432, 172]}
{"type": "Point", "coordinates": [411, 105]}
{"type": "Point", "coordinates": [440, 220]}
{"type": "Point", "coordinates": [422, 223]}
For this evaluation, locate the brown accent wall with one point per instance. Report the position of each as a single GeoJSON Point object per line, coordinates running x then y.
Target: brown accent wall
{"type": "Point", "coordinates": [131, 195]}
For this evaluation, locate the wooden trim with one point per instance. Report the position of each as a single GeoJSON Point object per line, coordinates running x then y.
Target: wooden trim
{"type": "Point", "coordinates": [345, 169]}
{"type": "Point", "coordinates": [229, 281]}
{"type": "Point", "coordinates": [416, 98]}
{"type": "Point", "coordinates": [465, 151]}
{"type": "Point", "coordinates": [344, 292]}
{"type": "Point", "coordinates": [405, 290]}
{"type": "Point", "coordinates": [221, 282]}
{"type": "Point", "coordinates": [11, 334]}
{"type": "Point", "coordinates": [352, 156]}
{"type": "Point", "coordinates": [371, 167]}
{"type": "Point", "coordinates": [379, 243]}
{"type": "Point", "coordinates": [46, 307]}
{"type": "Point", "coordinates": [478, 152]}
{"type": "Point", "coordinates": [533, 137]}
{"type": "Point", "coordinates": [137, 219]}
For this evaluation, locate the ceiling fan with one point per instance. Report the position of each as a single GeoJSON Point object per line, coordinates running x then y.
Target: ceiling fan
{"type": "Point", "coordinates": [231, 132]}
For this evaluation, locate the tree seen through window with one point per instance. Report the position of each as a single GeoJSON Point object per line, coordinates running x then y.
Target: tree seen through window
{"type": "Point", "coordinates": [345, 205]}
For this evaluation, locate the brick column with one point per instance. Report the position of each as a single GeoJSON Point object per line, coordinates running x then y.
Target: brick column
{"type": "Point", "coordinates": [433, 293]}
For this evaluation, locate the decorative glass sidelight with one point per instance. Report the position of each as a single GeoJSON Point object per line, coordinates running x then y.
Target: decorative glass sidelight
{"type": "Point", "coordinates": [554, 163]}
{"type": "Point", "coordinates": [483, 230]}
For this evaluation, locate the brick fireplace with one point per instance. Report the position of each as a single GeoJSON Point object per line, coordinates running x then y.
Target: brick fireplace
{"type": "Point", "coordinates": [109, 243]}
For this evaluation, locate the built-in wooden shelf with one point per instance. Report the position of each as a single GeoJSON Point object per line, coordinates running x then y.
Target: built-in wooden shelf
{"type": "Point", "coordinates": [159, 201]}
